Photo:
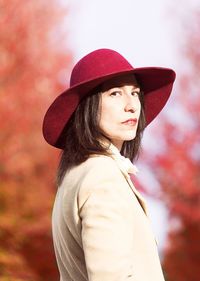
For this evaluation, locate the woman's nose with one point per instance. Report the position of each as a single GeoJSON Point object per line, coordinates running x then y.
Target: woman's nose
{"type": "Point", "coordinates": [130, 108]}
{"type": "Point", "coordinates": [130, 105]}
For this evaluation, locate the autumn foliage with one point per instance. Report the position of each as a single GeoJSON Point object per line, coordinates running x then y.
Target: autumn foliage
{"type": "Point", "coordinates": [178, 166]}
{"type": "Point", "coordinates": [33, 58]}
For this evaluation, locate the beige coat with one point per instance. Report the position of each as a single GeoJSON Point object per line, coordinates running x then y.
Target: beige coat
{"type": "Point", "coordinates": [101, 230]}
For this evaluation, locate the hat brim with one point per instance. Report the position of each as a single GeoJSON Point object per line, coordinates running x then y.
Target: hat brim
{"type": "Point", "coordinates": [155, 82]}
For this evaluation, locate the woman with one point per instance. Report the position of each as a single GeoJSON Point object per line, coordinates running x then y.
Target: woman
{"type": "Point", "coordinates": [101, 229]}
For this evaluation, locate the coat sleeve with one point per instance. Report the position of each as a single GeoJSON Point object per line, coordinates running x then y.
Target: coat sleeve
{"type": "Point", "coordinates": [106, 234]}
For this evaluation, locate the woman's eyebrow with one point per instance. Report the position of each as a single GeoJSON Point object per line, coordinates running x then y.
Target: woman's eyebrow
{"type": "Point", "coordinates": [121, 86]}
{"type": "Point", "coordinates": [108, 87]}
{"type": "Point", "coordinates": [136, 86]}
{"type": "Point", "coordinates": [137, 89]}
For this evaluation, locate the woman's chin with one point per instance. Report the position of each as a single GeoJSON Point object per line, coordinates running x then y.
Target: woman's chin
{"type": "Point", "coordinates": [123, 138]}
{"type": "Point", "coordinates": [129, 137]}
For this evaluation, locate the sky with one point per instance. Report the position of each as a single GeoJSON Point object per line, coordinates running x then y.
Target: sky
{"type": "Point", "coordinates": [140, 30]}
{"type": "Point", "coordinates": [146, 33]}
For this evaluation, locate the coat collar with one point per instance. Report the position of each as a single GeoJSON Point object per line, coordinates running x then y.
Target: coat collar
{"type": "Point", "coordinates": [125, 164]}
{"type": "Point", "coordinates": [127, 168]}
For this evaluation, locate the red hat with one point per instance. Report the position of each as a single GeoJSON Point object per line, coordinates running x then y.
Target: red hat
{"type": "Point", "coordinates": [94, 69]}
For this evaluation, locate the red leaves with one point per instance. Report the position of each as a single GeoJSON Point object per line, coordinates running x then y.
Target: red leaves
{"type": "Point", "coordinates": [178, 170]}
{"type": "Point", "coordinates": [182, 257]}
{"type": "Point", "coordinates": [30, 63]}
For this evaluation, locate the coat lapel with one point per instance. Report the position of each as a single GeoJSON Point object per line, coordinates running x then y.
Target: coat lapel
{"type": "Point", "coordinates": [126, 167]}
{"type": "Point", "coordinates": [138, 195]}
{"type": "Point", "coordinates": [124, 170]}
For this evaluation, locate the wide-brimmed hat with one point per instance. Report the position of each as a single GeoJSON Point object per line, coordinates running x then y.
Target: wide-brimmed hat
{"type": "Point", "coordinates": [91, 71]}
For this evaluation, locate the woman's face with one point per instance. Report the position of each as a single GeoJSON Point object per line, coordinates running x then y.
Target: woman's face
{"type": "Point", "coordinates": [120, 109]}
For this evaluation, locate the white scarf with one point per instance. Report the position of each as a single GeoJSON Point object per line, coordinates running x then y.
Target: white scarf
{"type": "Point", "coordinates": [123, 162]}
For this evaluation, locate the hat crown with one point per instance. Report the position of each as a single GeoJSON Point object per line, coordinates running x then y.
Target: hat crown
{"type": "Point", "coordinates": [97, 64]}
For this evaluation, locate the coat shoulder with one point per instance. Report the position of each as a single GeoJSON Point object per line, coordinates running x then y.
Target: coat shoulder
{"type": "Point", "coordinates": [100, 166]}
{"type": "Point", "coordinates": [99, 174]}
{"type": "Point", "coordinates": [99, 161]}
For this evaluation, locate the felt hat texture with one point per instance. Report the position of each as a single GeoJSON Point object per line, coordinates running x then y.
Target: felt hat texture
{"type": "Point", "coordinates": [91, 71]}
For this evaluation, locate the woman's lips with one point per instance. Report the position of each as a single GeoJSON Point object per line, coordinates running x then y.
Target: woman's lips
{"type": "Point", "coordinates": [130, 122]}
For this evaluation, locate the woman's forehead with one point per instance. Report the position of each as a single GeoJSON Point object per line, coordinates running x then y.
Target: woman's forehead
{"type": "Point", "coordinates": [120, 81]}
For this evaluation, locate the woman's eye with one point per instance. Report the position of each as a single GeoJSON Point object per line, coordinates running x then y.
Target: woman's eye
{"type": "Point", "coordinates": [115, 94]}
{"type": "Point", "coordinates": [136, 94]}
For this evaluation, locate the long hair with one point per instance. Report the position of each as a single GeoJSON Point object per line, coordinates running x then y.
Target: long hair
{"type": "Point", "coordinates": [82, 135]}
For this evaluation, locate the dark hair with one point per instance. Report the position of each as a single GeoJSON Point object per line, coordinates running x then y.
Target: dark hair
{"type": "Point", "coordinates": [82, 135]}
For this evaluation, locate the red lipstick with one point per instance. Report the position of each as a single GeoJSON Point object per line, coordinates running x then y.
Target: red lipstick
{"type": "Point", "coordinates": [130, 122]}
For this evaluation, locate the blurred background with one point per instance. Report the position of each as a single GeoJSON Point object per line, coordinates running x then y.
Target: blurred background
{"type": "Point", "coordinates": [40, 41]}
